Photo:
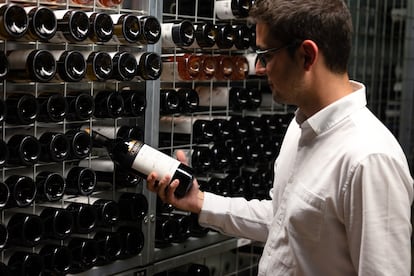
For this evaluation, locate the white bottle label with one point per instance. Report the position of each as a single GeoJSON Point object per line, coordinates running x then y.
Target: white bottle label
{"type": "Point", "coordinates": [223, 9]}
{"type": "Point", "coordinates": [217, 96]}
{"type": "Point", "coordinates": [150, 160]}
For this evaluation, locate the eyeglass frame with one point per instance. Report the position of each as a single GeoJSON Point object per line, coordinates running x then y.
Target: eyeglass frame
{"type": "Point", "coordinates": [261, 54]}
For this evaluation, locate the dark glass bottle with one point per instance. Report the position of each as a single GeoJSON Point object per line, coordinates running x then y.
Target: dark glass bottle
{"type": "Point", "coordinates": [57, 259]}
{"type": "Point", "coordinates": [242, 36]}
{"type": "Point", "coordinates": [54, 147]}
{"type": "Point", "coordinates": [4, 153]}
{"type": "Point", "coordinates": [84, 254]}
{"type": "Point", "coordinates": [4, 194]}
{"type": "Point", "coordinates": [4, 238]}
{"type": "Point", "coordinates": [132, 241]}
{"type": "Point", "coordinates": [4, 66]}
{"type": "Point", "coordinates": [80, 143]}
{"type": "Point", "coordinates": [231, 9]}
{"type": "Point", "coordinates": [31, 65]}
{"type": "Point", "coordinates": [237, 154]}
{"type": "Point", "coordinates": [225, 36]}
{"type": "Point", "coordinates": [134, 103]}
{"type": "Point", "coordinates": [23, 150]}
{"type": "Point", "coordinates": [221, 97]}
{"type": "Point", "coordinates": [107, 211]}
{"type": "Point", "coordinates": [149, 66]}
{"type": "Point", "coordinates": [180, 34]}
{"type": "Point", "coordinates": [50, 186]}
{"type": "Point", "coordinates": [125, 154]}
{"type": "Point", "coordinates": [124, 66]}
{"type": "Point", "coordinates": [80, 181]}
{"type": "Point", "coordinates": [42, 23]}
{"type": "Point", "coordinates": [25, 229]}
{"type": "Point", "coordinates": [52, 108]}
{"type": "Point", "coordinates": [58, 222]}
{"type": "Point", "coordinates": [132, 206]}
{"type": "Point", "coordinates": [99, 65]}
{"type": "Point", "coordinates": [201, 158]}
{"type": "Point", "coordinates": [73, 26]}
{"type": "Point", "coordinates": [221, 156]}
{"type": "Point", "coordinates": [127, 28]}
{"type": "Point", "coordinates": [166, 229]}
{"type": "Point", "coordinates": [22, 191]}
{"type": "Point", "coordinates": [109, 104]}
{"type": "Point", "coordinates": [169, 101]}
{"type": "Point", "coordinates": [123, 131]}
{"type": "Point", "coordinates": [81, 107]}
{"type": "Point", "coordinates": [255, 98]}
{"type": "Point", "coordinates": [25, 263]}
{"type": "Point", "coordinates": [14, 21]}
{"type": "Point", "coordinates": [71, 65]}
{"type": "Point", "coordinates": [21, 109]}
{"type": "Point", "coordinates": [188, 100]}
{"type": "Point", "coordinates": [205, 34]}
{"type": "Point", "coordinates": [109, 246]}
{"type": "Point", "coordinates": [101, 27]}
{"type": "Point", "coordinates": [84, 217]}
{"type": "Point", "coordinates": [242, 127]}
{"type": "Point", "coordinates": [150, 29]}
{"type": "Point", "coordinates": [198, 270]}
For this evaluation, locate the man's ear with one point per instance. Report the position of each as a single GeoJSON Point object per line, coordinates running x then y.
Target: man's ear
{"type": "Point", "coordinates": [310, 53]}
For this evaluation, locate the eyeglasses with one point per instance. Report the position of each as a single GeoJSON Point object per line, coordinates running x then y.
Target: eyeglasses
{"type": "Point", "coordinates": [264, 56]}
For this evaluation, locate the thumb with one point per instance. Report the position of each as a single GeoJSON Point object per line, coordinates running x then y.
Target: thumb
{"type": "Point", "coordinates": [181, 156]}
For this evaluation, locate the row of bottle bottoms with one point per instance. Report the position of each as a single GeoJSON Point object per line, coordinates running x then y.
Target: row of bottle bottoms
{"type": "Point", "coordinates": [74, 255]}
{"type": "Point", "coordinates": [77, 26]}
{"type": "Point", "coordinates": [74, 66]}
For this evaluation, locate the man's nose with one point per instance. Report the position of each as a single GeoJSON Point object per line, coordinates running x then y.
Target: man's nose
{"type": "Point", "coordinates": [260, 69]}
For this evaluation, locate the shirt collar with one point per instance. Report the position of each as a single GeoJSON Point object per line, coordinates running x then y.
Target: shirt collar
{"type": "Point", "coordinates": [335, 112]}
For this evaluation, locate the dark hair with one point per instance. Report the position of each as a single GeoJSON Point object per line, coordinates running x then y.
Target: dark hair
{"type": "Point", "coordinates": [326, 22]}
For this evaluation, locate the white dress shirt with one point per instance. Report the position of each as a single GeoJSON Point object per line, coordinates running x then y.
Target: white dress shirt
{"type": "Point", "coordinates": [340, 201]}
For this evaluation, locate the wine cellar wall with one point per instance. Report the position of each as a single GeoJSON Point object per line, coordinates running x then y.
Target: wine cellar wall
{"type": "Point", "coordinates": [175, 74]}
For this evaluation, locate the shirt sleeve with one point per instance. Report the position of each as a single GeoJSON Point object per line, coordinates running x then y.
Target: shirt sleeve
{"type": "Point", "coordinates": [236, 216]}
{"type": "Point", "coordinates": [377, 216]}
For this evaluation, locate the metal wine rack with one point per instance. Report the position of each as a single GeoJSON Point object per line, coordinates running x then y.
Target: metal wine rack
{"type": "Point", "coordinates": [381, 58]}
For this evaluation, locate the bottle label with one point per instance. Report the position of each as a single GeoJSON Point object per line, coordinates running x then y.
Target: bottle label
{"type": "Point", "coordinates": [223, 9]}
{"type": "Point", "coordinates": [217, 96]}
{"type": "Point", "coordinates": [150, 160]}
{"type": "Point", "coordinates": [177, 125]}
{"type": "Point", "coordinates": [17, 59]}
{"type": "Point", "coordinates": [166, 32]}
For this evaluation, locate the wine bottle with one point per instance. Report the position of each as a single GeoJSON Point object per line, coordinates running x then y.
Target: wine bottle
{"type": "Point", "coordinates": [23, 150]}
{"type": "Point", "coordinates": [132, 206]}
{"type": "Point", "coordinates": [4, 66]}
{"type": "Point", "coordinates": [225, 36]}
{"type": "Point", "coordinates": [187, 129]}
{"type": "Point", "coordinates": [84, 254]}
{"type": "Point", "coordinates": [4, 237]}
{"type": "Point", "coordinates": [208, 68]}
{"type": "Point", "coordinates": [221, 156]}
{"type": "Point", "coordinates": [254, 151]}
{"type": "Point", "coordinates": [124, 65]}
{"type": "Point", "coordinates": [134, 103]}
{"type": "Point", "coordinates": [109, 104]}
{"type": "Point", "coordinates": [123, 131]}
{"type": "Point", "coordinates": [14, 21]}
{"type": "Point", "coordinates": [32, 65]}
{"type": "Point", "coordinates": [110, 3]}
{"type": "Point", "coordinates": [4, 269]}
{"type": "Point", "coordinates": [218, 185]}
{"type": "Point", "coordinates": [42, 23]}
{"type": "Point", "coordinates": [188, 99]}
{"type": "Point", "coordinates": [242, 36]}
{"type": "Point", "coordinates": [127, 28]}
{"type": "Point", "coordinates": [107, 210]}
{"type": "Point", "coordinates": [225, 67]}
{"type": "Point", "coordinates": [84, 217]}
{"type": "Point", "coordinates": [231, 9]}
{"type": "Point", "coordinates": [241, 68]}
{"type": "Point", "coordinates": [21, 109]}
{"type": "Point", "coordinates": [52, 107]}
{"type": "Point", "coordinates": [237, 154]}
{"type": "Point", "coordinates": [22, 191]}
{"type": "Point", "coordinates": [150, 29]}
{"type": "Point", "coordinates": [149, 65]}
{"type": "Point", "coordinates": [222, 97]}
{"type": "Point", "coordinates": [205, 35]}
{"type": "Point", "coordinates": [50, 186]}
{"type": "Point", "coordinates": [223, 129]}
{"type": "Point", "coordinates": [196, 229]}
{"type": "Point", "coordinates": [169, 101]}
{"type": "Point", "coordinates": [236, 184]}
{"type": "Point", "coordinates": [4, 153]}
{"type": "Point", "coordinates": [258, 125]}
{"type": "Point", "coordinates": [132, 241]}
{"type": "Point", "coordinates": [81, 106]}
{"type": "Point", "coordinates": [98, 65]}
{"type": "Point", "coordinates": [101, 27]}
{"type": "Point", "coordinates": [182, 67]}
{"type": "Point", "coordinates": [71, 65]}
{"type": "Point", "coordinates": [82, 2]}
{"type": "Point", "coordinates": [179, 34]}
{"type": "Point", "coordinates": [25, 263]}
{"type": "Point", "coordinates": [73, 26]}
{"type": "Point", "coordinates": [80, 143]}
{"type": "Point", "coordinates": [24, 229]}
{"type": "Point", "coordinates": [58, 222]}
{"type": "Point", "coordinates": [255, 98]}
{"type": "Point", "coordinates": [254, 184]}
{"type": "Point", "coordinates": [166, 229]}
{"type": "Point", "coordinates": [80, 181]}
{"type": "Point", "coordinates": [109, 246]}
{"type": "Point", "coordinates": [242, 127]}
{"type": "Point", "coordinates": [54, 147]}
{"type": "Point", "coordinates": [57, 259]}
{"type": "Point", "coordinates": [184, 225]}
{"type": "Point", "coordinates": [201, 158]}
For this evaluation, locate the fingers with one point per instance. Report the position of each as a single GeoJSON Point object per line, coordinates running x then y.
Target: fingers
{"type": "Point", "coordinates": [161, 187]}
{"type": "Point", "coordinates": [181, 157]}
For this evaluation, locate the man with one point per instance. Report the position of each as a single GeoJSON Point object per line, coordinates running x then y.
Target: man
{"type": "Point", "coordinates": [342, 189]}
